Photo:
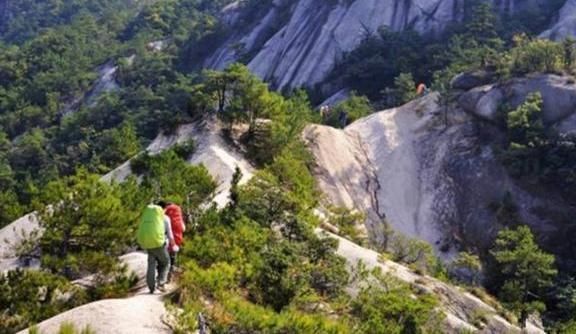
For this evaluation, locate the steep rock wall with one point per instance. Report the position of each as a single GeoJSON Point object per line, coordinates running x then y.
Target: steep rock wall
{"type": "Point", "coordinates": [298, 43]}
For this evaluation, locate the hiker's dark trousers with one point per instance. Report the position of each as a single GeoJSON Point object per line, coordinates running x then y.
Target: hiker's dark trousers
{"type": "Point", "coordinates": [158, 261]}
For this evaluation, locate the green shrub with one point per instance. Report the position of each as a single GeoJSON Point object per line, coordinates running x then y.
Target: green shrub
{"type": "Point", "coordinates": [536, 55]}
{"type": "Point", "coordinates": [389, 306]}
{"type": "Point", "coordinates": [185, 150]}
{"type": "Point", "coordinates": [29, 297]}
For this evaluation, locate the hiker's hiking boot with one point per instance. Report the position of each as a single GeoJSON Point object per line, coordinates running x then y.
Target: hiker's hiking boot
{"type": "Point", "coordinates": [162, 288]}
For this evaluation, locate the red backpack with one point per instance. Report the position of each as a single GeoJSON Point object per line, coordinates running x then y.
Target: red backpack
{"type": "Point", "coordinates": [174, 212]}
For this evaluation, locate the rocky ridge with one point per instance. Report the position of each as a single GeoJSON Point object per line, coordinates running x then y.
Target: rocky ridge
{"type": "Point", "coordinates": [431, 171]}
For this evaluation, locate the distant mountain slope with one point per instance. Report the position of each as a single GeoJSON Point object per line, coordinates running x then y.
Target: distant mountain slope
{"type": "Point", "coordinates": [298, 43]}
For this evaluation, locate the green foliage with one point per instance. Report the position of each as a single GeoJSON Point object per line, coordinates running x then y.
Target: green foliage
{"type": "Point", "coordinates": [389, 307]}
{"type": "Point", "coordinates": [381, 58]}
{"type": "Point", "coordinates": [482, 26]}
{"type": "Point", "coordinates": [355, 107]}
{"type": "Point", "coordinates": [32, 296]}
{"type": "Point", "coordinates": [412, 252]}
{"type": "Point", "coordinates": [87, 229]}
{"type": "Point", "coordinates": [10, 208]}
{"type": "Point", "coordinates": [260, 263]}
{"type": "Point", "coordinates": [405, 87]}
{"type": "Point", "coordinates": [264, 270]}
{"type": "Point", "coordinates": [241, 96]}
{"type": "Point", "coordinates": [28, 18]}
{"type": "Point", "coordinates": [121, 144]}
{"type": "Point", "coordinates": [348, 222]}
{"type": "Point", "coordinates": [562, 300]}
{"type": "Point", "coordinates": [70, 328]}
{"type": "Point", "coordinates": [537, 155]}
{"type": "Point", "coordinates": [49, 125]}
{"type": "Point", "coordinates": [569, 56]}
{"type": "Point", "coordinates": [525, 123]}
{"type": "Point", "coordinates": [167, 175]}
{"type": "Point", "coordinates": [536, 55]}
{"type": "Point", "coordinates": [471, 264]}
{"type": "Point", "coordinates": [526, 271]}
{"type": "Point", "coordinates": [185, 150]}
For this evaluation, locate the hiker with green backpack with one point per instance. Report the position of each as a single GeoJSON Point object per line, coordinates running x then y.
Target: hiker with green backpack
{"type": "Point", "coordinates": [154, 235]}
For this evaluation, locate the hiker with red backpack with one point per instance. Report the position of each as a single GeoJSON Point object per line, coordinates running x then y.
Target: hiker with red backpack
{"type": "Point", "coordinates": [174, 212]}
{"type": "Point", "coordinates": [154, 235]}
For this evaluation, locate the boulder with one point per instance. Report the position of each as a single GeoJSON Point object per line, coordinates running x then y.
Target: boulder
{"type": "Point", "coordinates": [469, 80]}
{"type": "Point", "coordinates": [558, 94]}
{"type": "Point", "coordinates": [488, 106]}
{"type": "Point", "coordinates": [469, 100]}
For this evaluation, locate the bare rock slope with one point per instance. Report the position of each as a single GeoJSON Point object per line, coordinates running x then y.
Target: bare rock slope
{"type": "Point", "coordinates": [566, 23]}
{"type": "Point", "coordinates": [431, 172]}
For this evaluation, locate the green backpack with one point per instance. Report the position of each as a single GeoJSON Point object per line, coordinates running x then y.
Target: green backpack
{"type": "Point", "coordinates": [151, 232]}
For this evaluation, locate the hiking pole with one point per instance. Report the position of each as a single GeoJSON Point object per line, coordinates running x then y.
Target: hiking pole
{"type": "Point", "coordinates": [189, 212]}
{"type": "Point", "coordinates": [202, 327]}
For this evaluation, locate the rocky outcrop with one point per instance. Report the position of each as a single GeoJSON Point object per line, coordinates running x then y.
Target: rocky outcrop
{"type": "Point", "coordinates": [558, 94]}
{"type": "Point", "coordinates": [298, 43]}
{"type": "Point", "coordinates": [431, 172]}
{"type": "Point", "coordinates": [105, 83]}
{"type": "Point", "coordinates": [469, 80]}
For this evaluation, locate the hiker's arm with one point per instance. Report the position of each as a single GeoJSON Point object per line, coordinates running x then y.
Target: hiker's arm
{"type": "Point", "coordinates": [168, 229]}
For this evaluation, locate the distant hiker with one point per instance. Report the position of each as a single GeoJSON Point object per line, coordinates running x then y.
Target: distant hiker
{"type": "Point", "coordinates": [174, 212]}
{"type": "Point", "coordinates": [343, 119]}
{"type": "Point", "coordinates": [154, 235]}
{"type": "Point", "coordinates": [325, 112]}
{"type": "Point", "coordinates": [421, 90]}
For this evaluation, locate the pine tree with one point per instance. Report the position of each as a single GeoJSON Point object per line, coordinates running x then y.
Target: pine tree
{"type": "Point", "coordinates": [86, 229]}
{"type": "Point", "coordinates": [482, 26]}
{"type": "Point", "coordinates": [405, 87]}
{"type": "Point", "coordinates": [526, 269]}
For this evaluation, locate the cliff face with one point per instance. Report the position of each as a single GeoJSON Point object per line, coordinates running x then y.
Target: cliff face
{"type": "Point", "coordinates": [298, 43]}
{"type": "Point", "coordinates": [566, 23]}
{"type": "Point", "coordinates": [3, 11]}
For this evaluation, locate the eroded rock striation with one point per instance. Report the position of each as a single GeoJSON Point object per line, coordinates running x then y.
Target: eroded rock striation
{"type": "Point", "coordinates": [298, 43]}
